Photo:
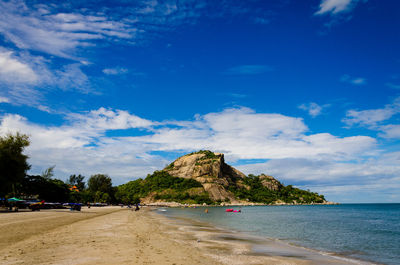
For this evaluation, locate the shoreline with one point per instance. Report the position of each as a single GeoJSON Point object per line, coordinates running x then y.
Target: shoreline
{"type": "Point", "coordinates": [223, 204]}
{"type": "Point", "coordinates": [253, 245]}
{"type": "Point", "coordinates": [227, 250]}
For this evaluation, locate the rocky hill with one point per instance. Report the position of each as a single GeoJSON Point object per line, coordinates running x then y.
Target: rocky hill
{"type": "Point", "coordinates": [204, 177]}
{"type": "Point", "coordinates": [211, 171]}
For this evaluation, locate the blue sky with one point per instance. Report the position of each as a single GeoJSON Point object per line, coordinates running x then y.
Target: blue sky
{"type": "Point", "coordinates": [307, 91]}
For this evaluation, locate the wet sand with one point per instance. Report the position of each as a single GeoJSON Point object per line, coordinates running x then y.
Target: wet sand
{"type": "Point", "coordinates": [114, 235]}
{"type": "Point", "coordinates": [233, 247]}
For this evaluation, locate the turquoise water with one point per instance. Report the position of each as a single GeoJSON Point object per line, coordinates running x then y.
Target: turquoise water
{"type": "Point", "coordinates": [369, 232]}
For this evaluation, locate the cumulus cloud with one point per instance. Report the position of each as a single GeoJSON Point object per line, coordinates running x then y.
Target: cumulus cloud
{"type": "Point", "coordinates": [373, 178]}
{"type": "Point", "coordinates": [81, 145]}
{"type": "Point", "coordinates": [379, 120]}
{"type": "Point", "coordinates": [107, 119]}
{"type": "Point", "coordinates": [327, 171]}
{"type": "Point", "coordinates": [313, 108]}
{"type": "Point", "coordinates": [325, 162]}
{"type": "Point", "coordinates": [368, 117]}
{"type": "Point", "coordinates": [83, 142]}
{"type": "Point", "coordinates": [334, 7]}
{"type": "Point", "coordinates": [390, 131]}
{"type": "Point", "coordinates": [371, 118]}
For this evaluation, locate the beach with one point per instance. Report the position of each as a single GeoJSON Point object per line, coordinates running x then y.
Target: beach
{"type": "Point", "coordinates": [114, 235]}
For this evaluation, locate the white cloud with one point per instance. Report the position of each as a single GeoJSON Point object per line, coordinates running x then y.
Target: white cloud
{"type": "Point", "coordinates": [377, 119]}
{"type": "Point", "coordinates": [390, 131]}
{"type": "Point", "coordinates": [334, 7]}
{"type": "Point", "coordinates": [115, 71]}
{"type": "Point", "coordinates": [4, 100]}
{"type": "Point", "coordinates": [372, 117]}
{"type": "Point", "coordinates": [50, 29]}
{"type": "Point", "coordinates": [364, 180]}
{"type": "Point", "coordinates": [106, 119]}
{"type": "Point", "coordinates": [368, 117]}
{"type": "Point", "coordinates": [353, 80]}
{"type": "Point", "coordinates": [56, 33]}
{"type": "Point", "coordinates": [313, 108]}
{"type": "Point", "coordinates": [14, 71]}
{"type": "Point", "coordinates": [40, 32]}
{"type": "Point", "coordinates": [358, 81]}
{"type": "Point", "coordinates": [83, 145]}
{"type": "Point", "coordinates": [23, 86]}
{"type": "Point", "coordinates": [326, 170]}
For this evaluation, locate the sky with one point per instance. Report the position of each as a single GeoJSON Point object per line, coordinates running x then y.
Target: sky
{"type": "Point", "coordinates": [305, 91]}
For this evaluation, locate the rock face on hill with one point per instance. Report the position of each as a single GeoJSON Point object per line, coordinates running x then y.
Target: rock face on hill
{"type": "Point", "coordinates": [270, 182]}
{"type": "Point", "coordinates": [211, 171]}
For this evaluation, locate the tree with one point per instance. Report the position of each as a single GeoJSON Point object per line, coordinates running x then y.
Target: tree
{"type": "Point", "coordinates": [77, 181]}
{"type": "Point", "coordinates": [100, 186]}
{"type": "Point", "coordinates": [135, 199]}
{"type": "Point", "coordinates": [48, 173]}
{"type": "Point", "coordinates": [52, 190]}
{"type": "Point", "coordinates": [100, 182]}
{"type": "Point", "coordinates": [13, 163]}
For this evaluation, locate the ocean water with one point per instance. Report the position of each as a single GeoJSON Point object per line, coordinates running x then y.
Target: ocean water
{"type": "Point", "coordinates": [367, 232]}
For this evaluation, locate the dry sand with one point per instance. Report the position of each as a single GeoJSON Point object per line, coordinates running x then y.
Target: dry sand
{"type": "Point", "coordinates": [112, 235]}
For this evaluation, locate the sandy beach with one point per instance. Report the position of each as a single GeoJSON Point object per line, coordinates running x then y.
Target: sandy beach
{"type": "Point", "coordinates": [114, 235]}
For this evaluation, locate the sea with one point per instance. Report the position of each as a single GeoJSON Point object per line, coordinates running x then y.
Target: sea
{"type": "Point", "coordinates": [356, 233]}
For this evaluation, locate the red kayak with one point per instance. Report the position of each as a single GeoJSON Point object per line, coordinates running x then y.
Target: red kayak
{"type": "Point", "coordinates": [232, 211]}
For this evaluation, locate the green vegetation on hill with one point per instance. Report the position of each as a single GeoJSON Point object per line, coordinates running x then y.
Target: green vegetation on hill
{"type": "Point", "coordinates": [164, 187]}
{"type": "Point", "coordinates": [208, 154]}
{"type": "Point", "coordinates": [256, 192]}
